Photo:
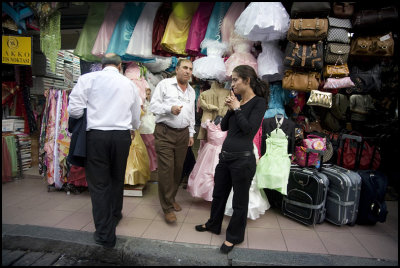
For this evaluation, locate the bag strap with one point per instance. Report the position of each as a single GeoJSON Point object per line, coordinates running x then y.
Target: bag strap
{"type": "Point", "coordinates": [304, 205]}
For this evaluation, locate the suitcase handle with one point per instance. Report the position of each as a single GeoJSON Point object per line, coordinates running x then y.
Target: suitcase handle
{"type": "Point", "coordinates": [352, 137]}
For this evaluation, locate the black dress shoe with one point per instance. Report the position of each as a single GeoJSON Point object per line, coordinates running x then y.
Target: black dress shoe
{"type": "Point", "coordinates": [103, 243]}
{"type": "Point", "coordinates": [226, 249]}
{"type": "Point", "coordinates": [200, 228]}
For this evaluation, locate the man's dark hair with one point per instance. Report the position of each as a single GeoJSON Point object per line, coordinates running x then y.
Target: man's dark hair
{"type": "Point", "coordinates": [182, 60]}
{"type": "Point", "coordinates": [111, 59]}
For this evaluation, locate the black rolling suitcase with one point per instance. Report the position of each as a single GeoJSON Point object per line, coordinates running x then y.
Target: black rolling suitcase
{"type": "Point", "coordinates": [306, 194]}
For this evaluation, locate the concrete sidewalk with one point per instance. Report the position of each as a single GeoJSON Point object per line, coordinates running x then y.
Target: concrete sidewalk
{"type": "Point", "coordinates": [145, 252]}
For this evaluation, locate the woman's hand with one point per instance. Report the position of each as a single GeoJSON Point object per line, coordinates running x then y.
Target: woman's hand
{"type": "Point", "coordinates": [232, 102]}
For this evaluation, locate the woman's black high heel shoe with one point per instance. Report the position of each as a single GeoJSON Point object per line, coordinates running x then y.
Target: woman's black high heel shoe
{"type": "Point", "coordinates": [226, 249]}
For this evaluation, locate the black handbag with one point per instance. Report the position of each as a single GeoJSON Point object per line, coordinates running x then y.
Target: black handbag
{"type": "Point", "coordinates": [380, 19]}
{"type": "Point", "coordinates": [310, 10]}
{"type": "Point", "coordinates": [366, 79]}
{"type": "Point", "coordinates": [307, 56]}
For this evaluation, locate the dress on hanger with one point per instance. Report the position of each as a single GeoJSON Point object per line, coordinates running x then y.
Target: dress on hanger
{"type": "Point", "coordinates": [212, 66]}
{"type": "Point", "coordinates": [137, 166]}
{"type": "Point", "coordinates": [103, 38]}
{"type": "Point", "coordinates": [214, 24]}
{"type": "Point", "coordinates": [270, 62]}
{"type": "Point", "coordinates": [212, 102]}
{"type": "Point", "coordinates": [177, 29]}
{"type": "Point", "coordinates": [274, 166]}
{"type": "Point", "coordinates": [133, 73]}
{"type": "Point", "coordinates": [123, 29]}
{"type": "Point", "coordinates": [201, 179]}
{"type": "Point", "coordinates": [263, 21]}
{"type": "Point", "coordinates": [140, 42]}
{"type": "Point", "coordinates": [241, 54]}
{"type": "Point", "coordinates": [198, 27]}
{"type": "Point", "coordinates": [90, 30]}
{"type": "Point", "coordinates": [228, 23]}
{"type": "Point", "coordinates": [278, 97]}
{"type": "Point", "coordinates": [160, 22]}
{"type": "Point", "coordinates": [258, 201]}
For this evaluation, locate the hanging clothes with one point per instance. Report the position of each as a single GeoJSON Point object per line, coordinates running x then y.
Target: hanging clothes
{"type": "Point", "coordinates": [103, 38]}
{"type": "Point", "coordinates": [274, 166]}
{"type": "Point", "coordinates": [160, 22]}
{"type": "Point", "coordinates": [134, 73]}
{"type": "Point", "coordinates": [198, 28]}
{"type": "Point", "coordinates": [288, 127]}
{"type": "Point", "coordinates": [270, 62]}
{"type": "Point", "coordinates": [228, 23]}
{"type": "Point", "coordinates": [214, 24]}
{"type": "Point", "coordinates": [278, 98]}
{"type": "Point", "coordinates": [42, 136]}
{"type": "Point", "coordinates": [90, 30]}
{"type": "Point", "coordinates": [64, 137]}
{"type": "Point", "coordinates": [146, 129]}
{"type": "Point", "coordinates": [12, 149]}
{"type": "Point", "coordinates": [177, 29]}
{"type": "Point", "coordinates": [140, 42]}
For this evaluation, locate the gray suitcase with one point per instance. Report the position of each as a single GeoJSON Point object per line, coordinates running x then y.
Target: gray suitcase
{"type": "Point", "coordinates": [343, 195]}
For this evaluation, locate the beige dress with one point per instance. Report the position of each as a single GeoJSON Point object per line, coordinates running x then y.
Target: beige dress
{"type": "Point", "coordinates": [212, 102]}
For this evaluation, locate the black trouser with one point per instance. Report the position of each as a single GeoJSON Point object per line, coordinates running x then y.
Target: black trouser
{"type": "Point", "coordinates": [238, 173]}
{"type": "Point", "coordinates": [106, 156]}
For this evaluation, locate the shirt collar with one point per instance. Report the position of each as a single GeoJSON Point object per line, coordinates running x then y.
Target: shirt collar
{"type": "Point", "coordinates": [174, 81]}
{"type": "Point", "coordinates": [111, 68]}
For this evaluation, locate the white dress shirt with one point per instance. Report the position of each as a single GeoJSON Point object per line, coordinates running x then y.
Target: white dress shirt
{"type": "Point", "coordinates": [111, 99]}
{"type": "Point", "coordinates": [167, 94]}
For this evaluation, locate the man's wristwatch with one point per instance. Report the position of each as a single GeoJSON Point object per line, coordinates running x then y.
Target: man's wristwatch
{"type": "Point", "coordinates": [237, 109]}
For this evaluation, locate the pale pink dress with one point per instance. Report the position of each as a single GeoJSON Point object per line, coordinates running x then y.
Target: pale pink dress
{"type": "Point", "coordinates": [228, 23]}
{"type": "Point", "coordinates": [107, 27]}
{"type": "Point", "coordinates": [133, 73]}
{"type": "Point", "coordinates": [201, 179]}
{"type": "Point", "coordinates": [241, 54]}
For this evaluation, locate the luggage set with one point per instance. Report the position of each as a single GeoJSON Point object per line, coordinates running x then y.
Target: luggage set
{"type": "Point", "coordinates": [333, 193]}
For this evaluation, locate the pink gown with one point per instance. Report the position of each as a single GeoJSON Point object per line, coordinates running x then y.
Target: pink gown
{"type": "Point", "coordinates": [198, 27]}
{"type": "Point", "coordinates": [133, 73]}
{"type": "Point", "coordinates": [201, 179]}
{"type": "Point", "coordinates": [107, 27]}
{"type": "Point", "coordinates": [241, 54]}
{"type": "Point", "coordinates": [228, 23]}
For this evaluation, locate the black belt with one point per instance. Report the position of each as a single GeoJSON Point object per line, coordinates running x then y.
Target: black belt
{"type": "Point", "coordinates": [176, 129]}
{"type": "Point", "coordinates": [236, 154]}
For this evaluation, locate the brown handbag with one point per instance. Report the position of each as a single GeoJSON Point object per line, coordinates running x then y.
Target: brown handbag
{"type": "Point", "coordinates": [304, 55]}
{"type": "Point", "coordinates": [301, 81]}
{"type": "Point", "coordinates": [307, 29]}
{"type": "Point", "coordinates": [336, 71]}
{"type": "Point", "coordinates": [343, 10]}
{"type": "Point", "coordinates": [382, 45]}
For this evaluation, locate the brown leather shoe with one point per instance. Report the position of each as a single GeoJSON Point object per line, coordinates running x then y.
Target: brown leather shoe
{"type": "Point", "coordinates": [170, 217]}
{"type": "Point", "coordinates": [177, 207]}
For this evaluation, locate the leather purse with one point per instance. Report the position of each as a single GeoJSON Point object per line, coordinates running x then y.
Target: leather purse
{"type": "Point", "coordinates": [386, 17]}
{"type": "Point", "coordinates": [309, 30]}
{"type": "Point", "coordinates": [338, 83]}
{"type": "Point", "coordinates": [343, 10]}
{"type": "Point", "coordinates": [336, 71]}
{"type": "Point", "coordinates": [301, 81]}
{"type": "Point", "coordinates": [381, 46]}
{"type": "Point", "coordinates": [336, 52]}
{"type": "Point", "coordinates": [366, 79]}
{"type": "Point", "coordinates": [310, 9]}
{"type": "Point", "coordinates": [308, 56]}
{"type": "Point", "coordinates": [320, 98]}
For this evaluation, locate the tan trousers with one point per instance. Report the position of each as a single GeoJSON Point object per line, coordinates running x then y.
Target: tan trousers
{"type": "Point", "coordinates": [171, 147]}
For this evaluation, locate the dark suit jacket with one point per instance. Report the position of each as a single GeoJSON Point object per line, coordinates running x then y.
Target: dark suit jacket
{"type": "Point", "coordinates": [288, 127]}
{"type": "Point", "coordinates": [77, 149]}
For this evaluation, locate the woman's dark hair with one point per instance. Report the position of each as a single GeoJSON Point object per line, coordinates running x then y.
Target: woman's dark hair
{"type": "Point", "coordinates": [260, 88]}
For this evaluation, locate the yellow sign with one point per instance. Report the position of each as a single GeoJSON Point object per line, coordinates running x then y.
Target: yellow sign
{"type": "Point", "coordinates": [16, 50]}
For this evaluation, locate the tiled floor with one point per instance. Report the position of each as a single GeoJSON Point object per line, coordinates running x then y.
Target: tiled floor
{"type": "Point", "coordinates": [27, 201]}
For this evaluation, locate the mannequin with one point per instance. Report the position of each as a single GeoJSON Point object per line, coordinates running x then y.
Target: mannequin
{"type": "Point", "coordinates": [212, 102]}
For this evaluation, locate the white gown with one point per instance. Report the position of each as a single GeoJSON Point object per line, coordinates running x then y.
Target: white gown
{"type": "Point", "coordinates": [140, 43]}
{"type": "Point", "coordinates": [270, 62]}
{"type": "Point", "coordinates": [212, 66]}
{"type": "Point", "coordinates": [263, 21]}
{"type": "Point", "coordinates": [258, 201]}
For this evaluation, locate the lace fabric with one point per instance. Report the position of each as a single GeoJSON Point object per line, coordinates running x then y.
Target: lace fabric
{"type": "Point", "coordinates": [212, 66]}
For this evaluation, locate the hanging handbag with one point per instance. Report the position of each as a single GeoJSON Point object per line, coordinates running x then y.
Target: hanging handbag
{"type": "Point", "coordinates": [307, 56]}
{"type": "Point", "coordinates": [301, 81]}
{"type": "Point", "coordinates": [310, 9]}
{"type": "Point", "coordinates": [382, 45]}
{"type": "Point", "coordinates": [320, 98]}
{"type": "Point", "coordinates": [339, 30]}
{"type": "Point", "coordinates": [337, 71]}
{"type": "Point", "coordinates": [343, 10]}
{"type": "Point", "coordinates": [335, 52]}
{"type": "Point", "coordinates": [366, 79]}
{"type": "Point", "coordinates": [309, 30]}
{"type": "Point", "coordinates": [338, 83]}
{"type": "Point", "coordinates": [376, 19]}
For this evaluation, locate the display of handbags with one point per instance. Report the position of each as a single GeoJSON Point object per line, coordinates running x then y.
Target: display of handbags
{"type": "Point", "coordinates": [335, 52]}
{"type": "Point", "coordinates": [320, 98]}
{"type": "Point", "coordinates": [309, 30]}
{"type": "Point", "coordinates": [308, 56]}
{"type": "Point", "coordinates": [301, 81]}
{"type": "Point", "coordinates": [381, 46]}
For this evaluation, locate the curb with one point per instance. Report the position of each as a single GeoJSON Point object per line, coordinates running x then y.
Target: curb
{"type": "Point", "coordinates": [145, 252]}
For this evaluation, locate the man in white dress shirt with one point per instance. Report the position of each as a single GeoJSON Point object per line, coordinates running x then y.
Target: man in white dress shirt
{"type": "Point", "coordinates": [173, 103]}
{"type": "Point", "coordinates": [113, 110]}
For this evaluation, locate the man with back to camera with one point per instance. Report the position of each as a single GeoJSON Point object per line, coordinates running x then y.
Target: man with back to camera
{"type": "Point", "coordinates": [173, 104]}
{"type": "Point", "coordinates": [113, 112]}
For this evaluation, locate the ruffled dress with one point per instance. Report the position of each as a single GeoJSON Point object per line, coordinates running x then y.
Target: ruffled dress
{"type": "Point", "coordinates": [263, 21]}
{"type": "Point", "coordinates": [103, 38]}
{"type": "Point", "coordinates": [214, 24]}
{"type": "Point", "coordinates": [201, 179]}
{"type": "Point", "coordinates": [258, 201]}
{"type": "Point", "coordinates": [270, 62]}
{"type": "Point", "coordinates": [140, 42]}
{"type": "Point", "coordinates": [212, 66]}
{"type": "Point", "coordinates": [241, 54]}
